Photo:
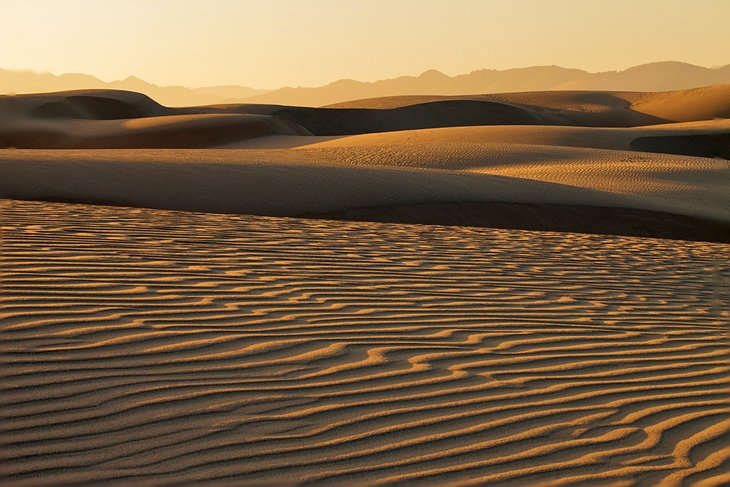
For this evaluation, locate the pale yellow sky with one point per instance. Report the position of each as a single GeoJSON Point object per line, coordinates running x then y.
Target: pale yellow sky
{"type": "Point", "coordinates": [273, 43]}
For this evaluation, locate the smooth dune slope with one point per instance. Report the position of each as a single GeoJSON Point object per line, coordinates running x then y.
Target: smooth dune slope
{"type": "Point", "coordinates": [147, 347]}
{"type": "Point", "coordinates": [542, 135]}
{"type": "Point", "coordinates": [707, 138]}
{"type": "Point", "coordinates": [399, 168]}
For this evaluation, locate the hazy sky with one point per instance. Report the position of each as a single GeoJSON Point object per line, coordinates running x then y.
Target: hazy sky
{"type": "Point", "coordinates": [273, 43]}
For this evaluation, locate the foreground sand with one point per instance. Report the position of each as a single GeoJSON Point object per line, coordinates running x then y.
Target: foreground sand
{"type": "Point", "coordinates": [157, 347]}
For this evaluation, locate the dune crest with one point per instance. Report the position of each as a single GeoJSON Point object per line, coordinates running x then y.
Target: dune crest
{"type": "Point", "coordinates": [387, 158]}
{"type": "Point", "coordinates": [99, 118]}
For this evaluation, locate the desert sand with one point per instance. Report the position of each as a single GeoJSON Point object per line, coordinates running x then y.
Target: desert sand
{"type": "Point", "coordinates": [573, 166]}
{"type": "Point", "coordinates": [657, 153]}
{"type": "Point", "coordinates": [122, 119]}
{"type": "Point", "coordinates": [186, 294]}
{"type": "Point", "coordinates": [147, 347]}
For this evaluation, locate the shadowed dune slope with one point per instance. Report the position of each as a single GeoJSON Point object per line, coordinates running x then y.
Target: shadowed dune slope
{"type": "Point", "coordinates": [452, 113]}
{"type": "Point", "coordinates": [147, 347]}
{"type": "Point", "coordinates": [701, 145]}
{"type": "Point", "coordinates": [555, 218]}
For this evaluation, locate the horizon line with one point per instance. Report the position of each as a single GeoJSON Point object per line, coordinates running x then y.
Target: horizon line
{"type": "Point", "coordinates": [134, 76]}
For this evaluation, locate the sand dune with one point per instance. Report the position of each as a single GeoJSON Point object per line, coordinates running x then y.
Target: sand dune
{"type": "Point", "coordinates": [493, 149]}
{"type": "Point", "coordinates": [451, 113]}
{"type": "Point", "coordinates": [103, 119]}
{"type": "Point", "coordinates": [684, 106]}
{"type": "Point", "coordinates": [179, 131]}
{"type": "Point", "coordinates": [398, 168]}
{"type": "Point", "coordinates": [119, 119]}
{"type": "Point", "coordinates": [586, 137]}
{"type": "Point", "coordinates": [592, 108]}
{"type": "Point", "coordinates": [702, 145]}
{"type": "Point", "coordinates": [543, 216]}
{"type": "Point", "coordinates": [81, 104]}
{"type": "Point", "coordinates": [150, 347]}
{"type": "Point", "coordinates": [707, 137]}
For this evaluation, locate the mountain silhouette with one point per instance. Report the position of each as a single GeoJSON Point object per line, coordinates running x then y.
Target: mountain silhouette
{"type": "Point", "coordinates": [659, 76]}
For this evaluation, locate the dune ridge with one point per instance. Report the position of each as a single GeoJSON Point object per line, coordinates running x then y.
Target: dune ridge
{"type": "Point", "coordinates": [105, 118]}
{"type": "Point", "coordinates": [386, 159]}
{"type": "Point", "coordinates": [591, 108]}
{"type": "Point", "coordinates": [146, 347]}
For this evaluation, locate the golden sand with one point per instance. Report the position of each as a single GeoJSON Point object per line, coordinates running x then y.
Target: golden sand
{"type": "Point", "coordinates": [145, 346]}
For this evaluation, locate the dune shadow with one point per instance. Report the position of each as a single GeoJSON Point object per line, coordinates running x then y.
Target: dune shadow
{"type": "Point", "coordinates": [699, 145]}
{"type": "Point", "coordinates": [544, 217]}
{"type": "Point", "coordinates": [449, 113]}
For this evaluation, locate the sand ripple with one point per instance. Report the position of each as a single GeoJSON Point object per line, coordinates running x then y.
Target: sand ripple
{"type": "Point", "coordinates": [150, 347]}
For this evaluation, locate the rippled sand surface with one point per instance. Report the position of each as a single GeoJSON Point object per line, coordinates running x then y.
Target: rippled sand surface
{"type": "Point", "coordinates": [160, 347]}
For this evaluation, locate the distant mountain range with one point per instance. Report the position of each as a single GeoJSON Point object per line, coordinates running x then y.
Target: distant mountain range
{"type": "Point", "coordinates": [32, 82]}
{"type": "Point", "coordinates": [660, 76]}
